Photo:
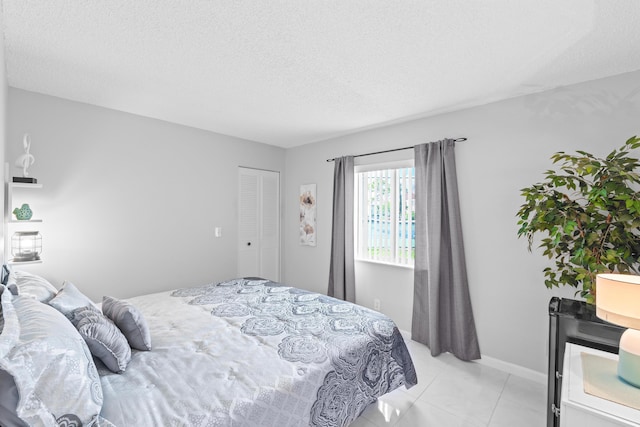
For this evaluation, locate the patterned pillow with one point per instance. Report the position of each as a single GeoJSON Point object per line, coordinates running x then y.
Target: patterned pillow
{"type": "Point", "coordinates": [103, 337]}
{"type": "Point", "coordinates": [129, 320]}
{"type": "Point", "coordinates": [52, 367]}
{"type": "Point", "coordinates": [68, 299]}
{"type": "Point", "coordinates": [31, 285]}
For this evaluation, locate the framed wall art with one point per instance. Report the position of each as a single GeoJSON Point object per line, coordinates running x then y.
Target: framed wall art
{"type": "Point", "coordinates": [308, 215]}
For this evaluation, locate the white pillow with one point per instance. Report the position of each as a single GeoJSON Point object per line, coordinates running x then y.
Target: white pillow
{"type": "Point", "coordinates": [33, 285]}
{"type": "Point", "coordinates": [52, 368]}
{"type": "Point", "coordinates": [68, 299]}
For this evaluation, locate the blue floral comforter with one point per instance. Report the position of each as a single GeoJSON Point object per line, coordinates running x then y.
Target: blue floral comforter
{"type": "Point", "coordinates": [251, 352]}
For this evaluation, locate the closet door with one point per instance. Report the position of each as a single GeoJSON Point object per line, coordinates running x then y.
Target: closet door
{"type": "Point", "coordinates": [258, 223]}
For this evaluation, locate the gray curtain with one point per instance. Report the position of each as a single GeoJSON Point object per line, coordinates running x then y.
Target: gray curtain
{"type": "Point", "coordinates": [342, 280]}
{"type": "Point", "coordinates": [442, 315]}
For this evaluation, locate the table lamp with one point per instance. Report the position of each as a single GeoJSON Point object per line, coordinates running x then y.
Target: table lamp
{"type": "Point", "coordinates": [618, 302]}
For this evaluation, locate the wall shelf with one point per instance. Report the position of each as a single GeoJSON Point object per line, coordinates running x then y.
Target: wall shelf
{"type": "Point", "coordinates": [12, 262]}
{"type": "Point", "coordinates": [23, 185]}
{"type": "Point", "coordinates": [9, 188]}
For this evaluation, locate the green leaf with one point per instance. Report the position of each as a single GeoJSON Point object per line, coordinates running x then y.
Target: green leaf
{"type": "Point", "coordinates": [588, 215]}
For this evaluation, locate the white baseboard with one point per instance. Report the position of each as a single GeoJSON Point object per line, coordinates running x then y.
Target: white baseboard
{"type": "Point", "coordinates": [513, 369]}
{"type": "Point", "coordinates": [509, 368]}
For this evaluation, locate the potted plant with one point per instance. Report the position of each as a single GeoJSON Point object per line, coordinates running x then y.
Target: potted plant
{"type": "Point", "coordinates": [587, 215]}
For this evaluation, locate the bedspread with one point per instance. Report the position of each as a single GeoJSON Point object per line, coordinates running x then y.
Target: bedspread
{"type": "Point", "coordinates": [250, 352]}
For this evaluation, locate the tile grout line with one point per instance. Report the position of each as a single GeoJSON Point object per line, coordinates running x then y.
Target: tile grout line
{"type": "Point", "coordinates": [415, 399]}
{"type": "Point", "coordinates": [498, 401]}
{"type": "Point", "coordinates": [409, 407]}
{"type": "Point", "coordinates": [404, 413]}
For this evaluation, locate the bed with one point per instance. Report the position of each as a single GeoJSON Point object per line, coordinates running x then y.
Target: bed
{"type": "Point", "coordinates": [244, 352]}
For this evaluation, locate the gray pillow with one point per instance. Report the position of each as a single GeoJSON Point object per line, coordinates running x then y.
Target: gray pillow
{"type": "Point", "coordinates": [9, 396]}
{"type": "Point", "coordinates": [129, 320]}
{"type": "Point", "coordinates": [68, 299]}
{"type": "Point", "coordinates": [9, 399]}
{"type": "Point", "coordinates": [104, 339]}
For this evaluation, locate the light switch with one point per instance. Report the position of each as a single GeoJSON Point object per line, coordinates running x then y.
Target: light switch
{"type": "Point", "coordinates": [218, 231]}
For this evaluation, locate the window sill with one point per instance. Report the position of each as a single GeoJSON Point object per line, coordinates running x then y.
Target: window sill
{"type": "Point", "coordinates": [389, 264]}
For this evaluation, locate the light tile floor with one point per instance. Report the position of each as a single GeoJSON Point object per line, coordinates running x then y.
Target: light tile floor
{"type": "Point", "coordinates": [454, 393]}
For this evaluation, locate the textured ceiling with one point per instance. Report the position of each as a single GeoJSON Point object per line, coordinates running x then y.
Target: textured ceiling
{"type": "Point", "coordinates": [290, 72]}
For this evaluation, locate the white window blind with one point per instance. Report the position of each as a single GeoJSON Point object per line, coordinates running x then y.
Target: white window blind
{"type": "Point", "coordinates": [385, 210]}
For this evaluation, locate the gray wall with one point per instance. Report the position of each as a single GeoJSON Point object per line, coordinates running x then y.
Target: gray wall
{"type": "Point", "coordinates": [3, 125]}
{"type": "Point", "coordinates": [129, 204]}
{"type": "Point", "coordinates": [508, 148]}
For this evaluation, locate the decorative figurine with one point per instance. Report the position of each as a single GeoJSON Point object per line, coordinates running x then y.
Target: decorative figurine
{"type": "Point", "coordinates": [24, 213]}
{"type": "Point", "coordinates": [25, 160]}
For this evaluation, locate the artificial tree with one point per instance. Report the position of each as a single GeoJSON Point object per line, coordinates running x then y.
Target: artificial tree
{"type": "Point", "coordinates": [587, 213]}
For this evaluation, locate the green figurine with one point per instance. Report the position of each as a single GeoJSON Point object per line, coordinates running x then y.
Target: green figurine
{"type": "Point", "coordinates": [24, 213]}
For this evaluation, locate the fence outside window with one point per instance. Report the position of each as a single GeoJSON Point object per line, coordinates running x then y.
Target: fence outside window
{"type": "Point", "coordinates": [385, 212]}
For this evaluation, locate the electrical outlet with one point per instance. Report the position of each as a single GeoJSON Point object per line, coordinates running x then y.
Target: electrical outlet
{"type": "Point", "coordinates": [376, 304]}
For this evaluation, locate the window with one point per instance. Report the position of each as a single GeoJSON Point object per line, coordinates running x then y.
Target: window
{"type": "Point", "coordinates": [385, 213]}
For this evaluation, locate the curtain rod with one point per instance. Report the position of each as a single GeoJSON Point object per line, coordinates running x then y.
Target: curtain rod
{"type": "Point", "coordinates": [393, 149]}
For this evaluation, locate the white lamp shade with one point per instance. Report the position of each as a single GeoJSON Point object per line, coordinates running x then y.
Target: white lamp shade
{"type": "Point", "coordinates": [618, 299]}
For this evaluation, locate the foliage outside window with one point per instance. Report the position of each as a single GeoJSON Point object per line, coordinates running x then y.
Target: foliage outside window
{"type": "Point", "coordinates": [385, 215]}
{"type": "Point", "coordinates": [588, 213]}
